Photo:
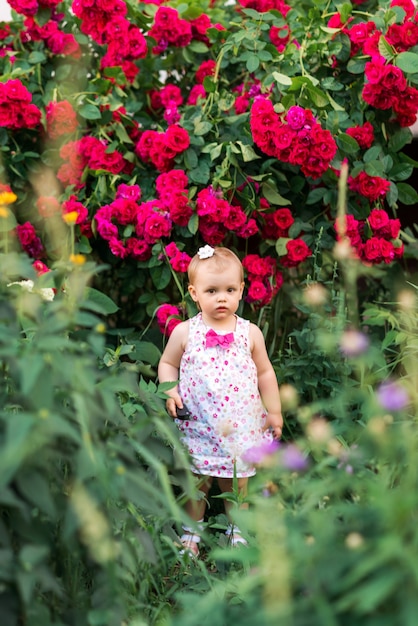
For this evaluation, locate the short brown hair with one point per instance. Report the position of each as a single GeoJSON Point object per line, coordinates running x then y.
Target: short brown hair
{"type": "Point", "coordinates": [222, 258]}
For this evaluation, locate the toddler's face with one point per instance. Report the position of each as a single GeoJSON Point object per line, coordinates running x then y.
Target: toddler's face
{"type": "Point", "coordinates": [218, 293]}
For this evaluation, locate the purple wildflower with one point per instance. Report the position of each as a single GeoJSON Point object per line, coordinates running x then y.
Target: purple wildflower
{"type": "Point", "coordinates": [258, 454]}
{"type": "Point", "coordinates": [353, 343]}
{"type": "Point", "coordinates": [392, 396]}
{"type": "Point", "coordinates": [293, 459]}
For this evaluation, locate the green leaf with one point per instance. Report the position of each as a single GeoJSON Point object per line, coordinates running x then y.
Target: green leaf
{"type": "Point", "coordinates": [282, 79]}
{"type": "Point", "coordinates": [372, 154]}
{"type": "Point", "coordinates": [272, 195]}
{"type": "Point", "coordinates": [202, 128]}
{"type": "Point", "coordinates": [209, 84]}
{"type": "Point", "coordinates": [399, 139]}
{"type": "Point", "coordinates": [318, 97]}
{"type": "Point", "coordinates": [36, 57]}
{"type": "Point", "coordinates": [392, 196]}
{"type": "Point", "coordinates": [407, 194]}
{"type": "Point", "coordinates": [356, 66]}
{"type": "Point", "coordinates": [315, 195]}
{"type": "Point", "coordinates": [407, 62]}
{"type": "Point", "coordinates": [86, 319]}
{"type": "Point", "coordinates": [248, 153]}
{"type": "Point", "coordinates": [401, 171]}
{"type": "Point", "coordinates": [198, 46]}
{"type": "Point", "coordinates": [147, 352]}
{"type": "Point", "coordinates": [200, 174]}
{"type": "Point", "coordinates": [160, 275]}
{"type": "Point", "coordinates": [385, 49]}
{"type": "Point", "coordinates": [89, 112]}
{"type": "Point", "coordinates": [374, 168]}
{"type": "Point", "coordinates": [347, 144]}
{"type": "Point", "coordinates": [190, 158]}
{"type": "Point", "coordinates": [345, 10]}
{"type": "Point", "coordinates": [122, 134]}
{"type": "Point", "coordinates": [32, 367]}
{"type": "Point", "coordinates": [99, 302]}
{"type": "Point", "coordinates": [281, 246]}
{"type": "Point", "coordinates": [193, 224]}
{"type": "Point", "coordinates": [253, 63]}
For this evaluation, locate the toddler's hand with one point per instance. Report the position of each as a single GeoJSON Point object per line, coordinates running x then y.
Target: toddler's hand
{"type": "Point", "coordinates": [275, 423]}
{"type": "Point", "coordinates": [171, 404]}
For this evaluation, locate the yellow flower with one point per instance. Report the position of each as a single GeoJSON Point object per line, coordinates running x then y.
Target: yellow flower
{"type": "Point", "coordinates": [77, 259]}
{"type": "Point", "coordinates": [70, 218]}
{"type": "Point", "coordinates": [4, 211]}
{"type": "Point", "coordinates": [6, 195]}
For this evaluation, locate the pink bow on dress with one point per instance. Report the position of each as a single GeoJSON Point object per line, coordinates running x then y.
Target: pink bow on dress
{"type": "Point", "coordinates": [213, 339]}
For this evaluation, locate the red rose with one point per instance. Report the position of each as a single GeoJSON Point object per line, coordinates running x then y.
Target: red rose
{"type": "Point", "coordinates": [283, 220]}
{"type": "Point", "coordinates": [180, 262]}
{"type": "Point", "coordinates": [364, 135]}
{"type": "Point", "coordinates": [179, 208]}
{"type": "Point", "coordinates": [155, 227]}
{"type": "Point", "coordinates": [378, 219]}
{"type": "Point", "coordinates": [177, 138]}
{"type": "Point", "coordinates": [168, 316]}
{"type": "Point", "coordinates": [371, 187]}
{"type": "Point", "coordinates": [256, 290]}
{"type": "Point", "coordinates": [138, 249]}
{"type": "Point", "coordinates": [297, 251]}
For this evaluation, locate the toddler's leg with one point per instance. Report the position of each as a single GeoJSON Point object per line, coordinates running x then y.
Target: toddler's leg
{"type": "Point", "coordinates": [196, 511]}
{"type": "Point", "coordinates": [226, 486]}
{"type": "Point", "coordinates": [196, 508]}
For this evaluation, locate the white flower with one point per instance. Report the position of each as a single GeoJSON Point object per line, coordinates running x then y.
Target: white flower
{"type": "Point", "coordinates": [47, 293]}
{"type": "Point", "coordinates": [206, 252]}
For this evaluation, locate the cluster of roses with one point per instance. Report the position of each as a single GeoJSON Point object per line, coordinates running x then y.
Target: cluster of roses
{"type": "Point", "coordinates": [50, 33]}
{"type": "Point", "coordinates": [170, 29]}
{"type": "Point", "coordinates": [132, 228]}
{"type": "Point", "coordinates": [16, 107]}
{"type": "Point", "coordinates": [217, 216]}
{"type": "Point", "coordinates": [371, 187]}
{"type": "Point", "coordinates": [161, 148]}
{"type": "Point", "coordinates": [297, 138]}
{"type": "Point", "coordinates": [55, 39]}
{"type": "Point", "coordinates": [106, 23]}
{"type": "Point", "coordinates": [264, 279]}
{"type": "Point", "coordinates": [89, 152]}
{"type": "Point", "coordinates": [382, 247]}
{"type": "Point", "coordinates": [31, 7]}
{"type": "Point", "coordinates": [387, 86]}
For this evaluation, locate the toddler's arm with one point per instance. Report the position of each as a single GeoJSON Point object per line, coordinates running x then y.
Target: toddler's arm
{"type": "Point", "coordinates": [168, 367]}
{"type": "Point", "coordinates": [267, 381]}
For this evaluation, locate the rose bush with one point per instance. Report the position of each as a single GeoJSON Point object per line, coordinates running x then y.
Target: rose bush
{"type": "Point", "coordinates": [130, 135]}
{"type": "Point", "coordinates": [167, 125]}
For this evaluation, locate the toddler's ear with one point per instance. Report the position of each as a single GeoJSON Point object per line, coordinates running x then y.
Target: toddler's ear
{"type": "Point", "coordinates": [192, 292]}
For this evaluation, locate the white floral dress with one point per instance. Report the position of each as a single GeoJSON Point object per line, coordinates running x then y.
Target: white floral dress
{"type": "Point", "coordinates": [220, 388]}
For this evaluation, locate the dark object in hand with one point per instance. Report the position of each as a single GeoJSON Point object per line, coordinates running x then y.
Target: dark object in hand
{"type": "Point", "coordinates": [183, 413]}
